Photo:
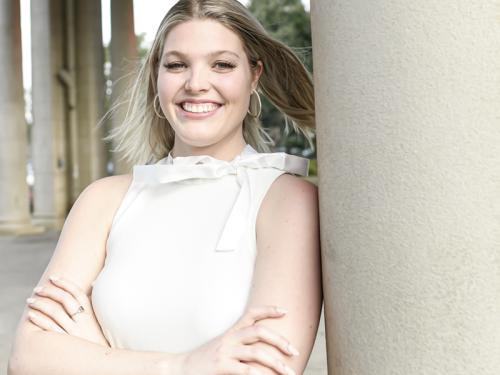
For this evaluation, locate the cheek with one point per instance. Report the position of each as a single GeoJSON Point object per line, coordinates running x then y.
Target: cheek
{"type": "Point", "coordinates": [168, 85]}
{"type": "Point", "coordinates": [236, 89]}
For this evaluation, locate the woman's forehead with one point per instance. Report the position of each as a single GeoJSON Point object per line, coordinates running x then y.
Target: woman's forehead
{"type": "Point", "coordinates": [202, 37]}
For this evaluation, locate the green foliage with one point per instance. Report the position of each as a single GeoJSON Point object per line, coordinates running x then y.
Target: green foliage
{"type": "Point", "coordinates": [313, 167]}
{"type": "Point", "coordinates": [287, 21]}
{"type": "Point", "coordinates": [290, 23]}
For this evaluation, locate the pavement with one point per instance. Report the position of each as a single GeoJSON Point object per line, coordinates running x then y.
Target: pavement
{"type": "Point", "coordinates": [23, 260]}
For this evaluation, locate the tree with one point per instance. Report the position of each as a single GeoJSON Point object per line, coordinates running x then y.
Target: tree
{"type": "Point", "coordinates": [290, 23]}
{"type": "Point", "coordinates": [287, 21]}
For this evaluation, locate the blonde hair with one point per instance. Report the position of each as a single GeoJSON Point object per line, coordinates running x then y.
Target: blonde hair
{"type": "Point", "coordinates": [143, 137]}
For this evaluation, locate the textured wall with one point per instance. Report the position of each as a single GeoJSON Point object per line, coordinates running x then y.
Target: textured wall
{"type": "Point", "coordinates": [408, 117]}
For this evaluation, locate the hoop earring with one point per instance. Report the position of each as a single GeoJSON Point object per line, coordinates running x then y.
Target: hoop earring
{"type": "Point", "coordinates": [154, 107]}
{"type": "Point", "coordinates": [260, 104]}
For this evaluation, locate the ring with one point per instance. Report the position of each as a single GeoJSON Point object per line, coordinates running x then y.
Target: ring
{"type": "Point", "coordinates": [80, 309]}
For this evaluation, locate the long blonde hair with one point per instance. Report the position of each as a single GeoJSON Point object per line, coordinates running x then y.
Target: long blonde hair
{"type": "Point", "coordinates": [143, 137]}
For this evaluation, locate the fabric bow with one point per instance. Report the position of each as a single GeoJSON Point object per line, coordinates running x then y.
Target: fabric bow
{"type": "Point", "coordinates": [180, 168]}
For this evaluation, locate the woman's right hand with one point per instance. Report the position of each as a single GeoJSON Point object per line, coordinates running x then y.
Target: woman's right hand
{"type": "Point", "coordinates": [223, 354]}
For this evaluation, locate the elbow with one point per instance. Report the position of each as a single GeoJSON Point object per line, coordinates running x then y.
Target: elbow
{"type": "Point", "coordinates": [20, 365]}
{"type": "Point", "coordinates": [19, 362]}
{"type": "Point", "coordinates": [10, 369]}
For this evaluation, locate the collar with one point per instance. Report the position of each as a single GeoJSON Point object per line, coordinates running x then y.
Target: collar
{"type": "Point", "coordinates": [204, 159]}
{"type": "Point", "coordinates": [171, 169]}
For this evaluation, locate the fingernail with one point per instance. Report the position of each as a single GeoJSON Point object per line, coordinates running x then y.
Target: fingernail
{"type": "Point", "coordinates": [293, 350]}
{"type": "Point", "coordinates": [281, 311]}
{"type": "Point", "coordinates": [31, 315]}
{"type": "Point", "coordinates": [38, 289]}
{"type": "Point", "coordinates": [53, 278]}
{"type": "Point", "coordinates": [30, 300]}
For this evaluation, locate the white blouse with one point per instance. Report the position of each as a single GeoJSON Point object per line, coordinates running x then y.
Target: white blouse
{"type": "Point", "coordinates": [181, 249]}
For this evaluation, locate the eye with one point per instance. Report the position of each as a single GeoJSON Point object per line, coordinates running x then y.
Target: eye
{"type": "Point", "coordinates": [174, 66]}
{"type": "Point", "coordinates": [224, 65]}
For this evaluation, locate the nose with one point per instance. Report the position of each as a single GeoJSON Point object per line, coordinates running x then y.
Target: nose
{"type": "Point", "coordinates": [197, 80]}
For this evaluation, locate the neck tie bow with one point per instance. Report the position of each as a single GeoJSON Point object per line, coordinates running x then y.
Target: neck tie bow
{"type": "Point", "coordinates": [172, 169]}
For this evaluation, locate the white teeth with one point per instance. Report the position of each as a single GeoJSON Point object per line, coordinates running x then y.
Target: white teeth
{"type": "Point", "coordinates": [199, 108]}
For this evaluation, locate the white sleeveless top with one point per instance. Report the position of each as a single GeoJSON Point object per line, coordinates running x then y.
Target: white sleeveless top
{"type": "Point", "coordinates": [181, 249]}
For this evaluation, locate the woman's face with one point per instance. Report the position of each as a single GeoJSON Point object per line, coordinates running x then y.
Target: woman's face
{"type": "Point", "coordinates": [204, 83]}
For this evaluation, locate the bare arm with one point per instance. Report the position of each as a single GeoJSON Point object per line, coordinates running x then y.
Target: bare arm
{"type": "Point", "coordinates": [45, 352]}
{"type": "Point", "coordinates": [288, 265]}
{"type": "Point", "coordinates": [79, 256]}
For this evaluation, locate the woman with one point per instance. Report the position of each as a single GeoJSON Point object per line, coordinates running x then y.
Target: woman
{"type": "Point", "coordinates": [188, 261]}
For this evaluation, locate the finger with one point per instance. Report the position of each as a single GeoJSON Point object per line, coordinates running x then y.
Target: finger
{"type": "Point", "coordinates": [73, 289]}
{"type": "Point", "coordinates": [53, 310]}
{"type": "Point", "coordinates": [255, 333]}
{"type": "Point", "coordinates": [250, 353]}
{"type": "Point", "coordinates": [240, 368]}
{"type": "Point", "coordinates": [44, 322]}
{"type": "Point", "coordinates": [256, 313]}
{"type": "Point", "coordinates": [59, 295]}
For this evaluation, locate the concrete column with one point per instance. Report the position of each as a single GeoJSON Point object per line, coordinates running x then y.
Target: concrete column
{"type": "Point", "coordinates": [124, 57]}
{"type": "Point", "coordinates": [408, 114]}
{"type": "Point", "coordinates": [49, 145]}
{"type": "Point", "coordinates": [14, 194]}
{"type": "Point", "coordinates": [67, 77]}
{"type": "Point", "coordinates": [90, 91]}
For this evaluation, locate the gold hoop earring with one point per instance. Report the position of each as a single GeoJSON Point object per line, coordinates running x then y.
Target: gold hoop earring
{"type": "Point", "coordinates": [260, 104]}
{"type": "Point", "coordinates": [154, 107]}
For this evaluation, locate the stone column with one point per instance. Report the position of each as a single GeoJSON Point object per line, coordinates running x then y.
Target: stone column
{"type": "Point", "coordinates": [67, 77]}
{"type": "Point", "coordinates": [89, 67]}
{"type": "Point", "coordinates": [124, 59]}
{"type": "Point", "coordinates": [14, 195]}
{"type": "Point", "coordinates": [49, 145]}
{"type": "Point", "coordinates": [408, 114]}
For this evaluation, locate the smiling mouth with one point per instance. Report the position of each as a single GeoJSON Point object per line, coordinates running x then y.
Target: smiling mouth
{"type": "Point", "coordinates": [199, 107]}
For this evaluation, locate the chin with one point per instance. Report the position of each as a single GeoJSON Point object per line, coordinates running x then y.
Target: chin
{"type": "Point", "coordinates": [198, 140]}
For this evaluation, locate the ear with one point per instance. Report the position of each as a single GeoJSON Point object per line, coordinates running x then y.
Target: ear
{"type": "Point", "coordinates": [257, 72]}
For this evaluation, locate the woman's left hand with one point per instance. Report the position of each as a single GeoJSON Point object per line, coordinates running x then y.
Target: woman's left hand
{"type": "Point", "coordinates": [55, 309]}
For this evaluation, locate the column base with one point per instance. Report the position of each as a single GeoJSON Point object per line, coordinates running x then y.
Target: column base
{"type": "Point", "coordinates": [49, 222]}
{"type": "Point", "coordinates": [20, 229]}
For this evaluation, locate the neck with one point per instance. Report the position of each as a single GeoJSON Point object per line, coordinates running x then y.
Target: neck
{"type": "Point", "coordinates": [222, 152]}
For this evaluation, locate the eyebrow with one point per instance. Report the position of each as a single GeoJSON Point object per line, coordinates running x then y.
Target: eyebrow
{"type": "Point", "coordinates": [211, 54]}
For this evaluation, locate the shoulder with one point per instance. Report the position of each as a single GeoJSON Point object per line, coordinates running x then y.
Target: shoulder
{"type": "Point", "coordinates": [291, 184]}
{"type": "Point", "coordinates": [289, 191]}
{"type": "Point", "coordinates": [289, 198]}
{"type": "Point", "coordinates": [104, 195]}
{"type": "Point", "coordinates": [109, 184]}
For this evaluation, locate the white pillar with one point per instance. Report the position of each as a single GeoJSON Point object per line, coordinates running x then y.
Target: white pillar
{"type": "Point", "coordinates": [90, 90]}
{"type": "Point", "coordinates": [408, 116]}
{"type": "Point", "coordinates": [124, 58]}
{"type": "Point", "coordinates": [14, 196]}
{"type": "Point", "coordinates": [49, 145]}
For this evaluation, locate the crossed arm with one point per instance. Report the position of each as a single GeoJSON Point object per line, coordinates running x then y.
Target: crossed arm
{"type": "Point", "coordinates": [79, 257]}
{"type": "Point", "coordinates": [287, 231]}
